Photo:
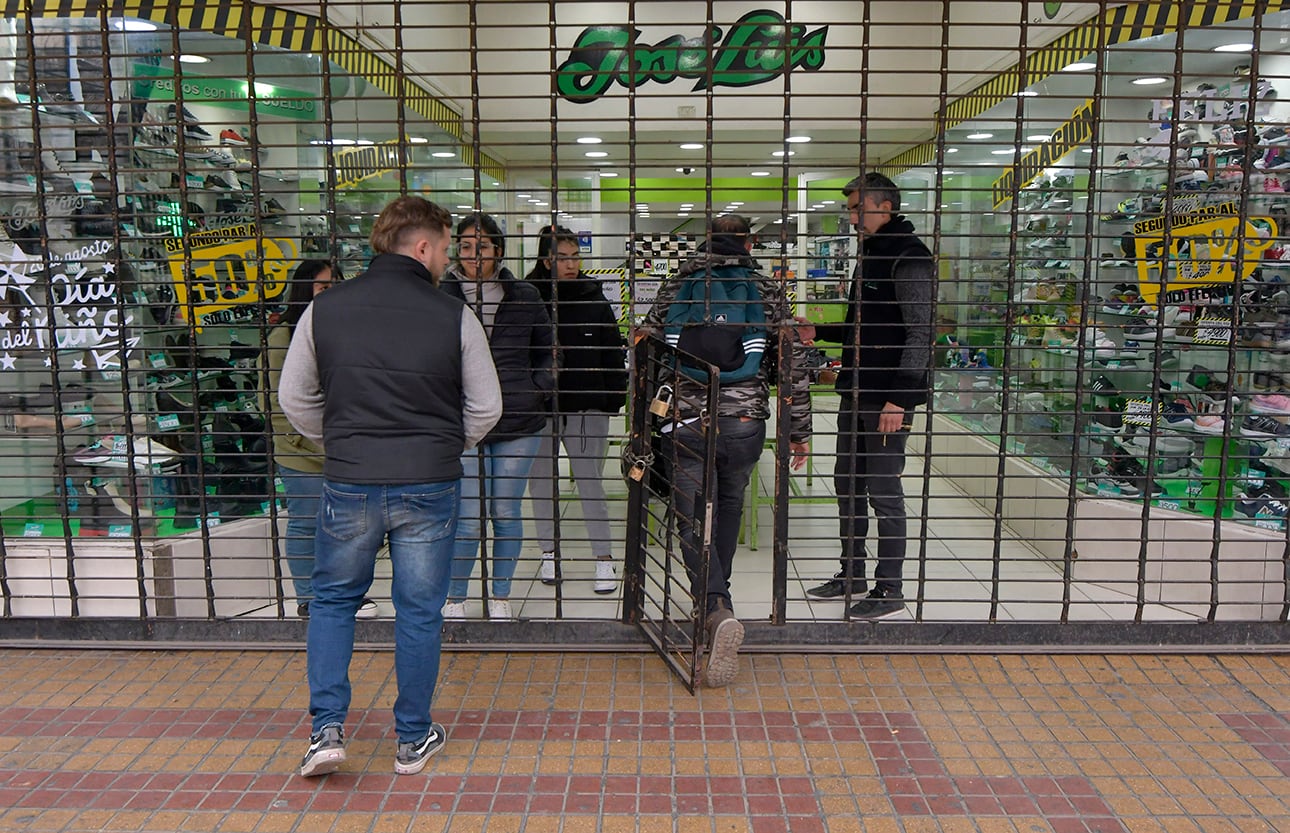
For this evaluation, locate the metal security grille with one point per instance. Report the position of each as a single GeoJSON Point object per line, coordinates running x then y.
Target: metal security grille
{"type": "Point", "coordinates": [1098, 450]}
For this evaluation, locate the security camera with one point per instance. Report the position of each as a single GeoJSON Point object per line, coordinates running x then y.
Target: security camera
{"type": "Point", "coordinates": [687, 171]}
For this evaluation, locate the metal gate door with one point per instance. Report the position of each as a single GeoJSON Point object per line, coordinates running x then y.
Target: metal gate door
{"type": "Point", "coordinates": [668, 511]}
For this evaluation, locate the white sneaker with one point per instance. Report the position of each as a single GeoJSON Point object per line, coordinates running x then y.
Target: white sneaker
{"type": "Point", "coordinates": [606, 577]}
{"type": "Point", "coordinates": [454, 610]}
{"type": "Point", "coordinates": [499, 610]}
{"type": "Point", "coordinates": [367, 610]}
{"type": "Point", "coordinates": [546, 572]}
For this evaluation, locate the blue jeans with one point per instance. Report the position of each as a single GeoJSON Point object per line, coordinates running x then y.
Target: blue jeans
{"type": "Point", "coordinates": [302, 491]}
{"type": "Point", "coordinates": [353, 522]}
{"type": "Point", "coordinates": [506, 467]}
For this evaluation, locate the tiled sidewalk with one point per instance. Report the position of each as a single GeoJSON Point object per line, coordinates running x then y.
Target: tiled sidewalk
{"type": "Point", "coordinates": [202, 741]}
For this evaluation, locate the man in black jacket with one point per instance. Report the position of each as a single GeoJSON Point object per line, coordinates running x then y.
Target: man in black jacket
{"type": "Point", "coordinates": [591, 384]}
{"type": "Point", "coordinates": [394, 380]}
{"type": "Point", "coordinates": [886, 356]}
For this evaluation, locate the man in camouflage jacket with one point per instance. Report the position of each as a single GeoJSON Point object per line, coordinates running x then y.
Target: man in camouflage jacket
{"type": "Point", "coordinates": [739, 426]}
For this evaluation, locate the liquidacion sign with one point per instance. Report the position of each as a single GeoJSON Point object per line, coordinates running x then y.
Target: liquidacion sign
{"type": "Point", "coordinates": [760, 47]}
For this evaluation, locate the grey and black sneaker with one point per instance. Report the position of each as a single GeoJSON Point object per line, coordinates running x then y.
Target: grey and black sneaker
{"type": "Point", "coordinates": [725, 635]}
{"type": "Point", "coordinates": [412, 757]}
{"type": "Point", "coordinates": [836, 587]}
{"type": "Point", "coordinates": [879, 604]}
{"type": "Point", "coordinates": [326, 751]}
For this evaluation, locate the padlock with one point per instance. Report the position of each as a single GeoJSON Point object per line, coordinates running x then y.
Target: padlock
{"type": "Point", "coordinates": [637, 471]}
{"type": "Point", "coordinates": [662, 401]}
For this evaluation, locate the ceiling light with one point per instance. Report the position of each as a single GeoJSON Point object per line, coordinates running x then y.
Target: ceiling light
{"type": "Point", "coordinates": [194, 59]}
{"type": "Point", "coordinates": [829, 202]}
{"type": "Point", "coordinates": [782, 153]}
{"type": "Point", "coordinates": [542, 203]}
{"type": "Point", "coordinates": [607, 173]}
{"type": "Point", "coordinates": [124, 25]}
{"type": "Point", "coordinates": [333, 142]}
{"type": "Point", "coordinates": [1038, 138]}
{"type": "Point", "coordinates": [522, 196]}
{"type": "Point", "coordinates": [760, 173]}
{"type": "Point", "coordinates": [951, 150]}
{"type": "Point", "coordinates": [980, 135]}
{"type": "Point", "coordinates": [797, 140]}
{"type": "Point", "coordinates": [421, 140]}
{"type": "Point", "coordinates": [735, 202]}
{"type": "Point", "coordinates": [810, 209]}
{"type": "Point", "coordinates": [684, 170]}
{"type": "Point", "coordinates": [1150, 81]}
{"type": "Point", "coordinates": [535, 200]}
{"type": "Point", "coordinates": [1079, 66]}
{"type": "Point", "coordinates": [1003, 152]}
{"type": "Point", "coordinates": [1027, 94]}
{"type": "Point", "coordinates": [1235, 47]}
{"type": "Point", "coordinates": [692, 146]}
{"type": "Point", "coordinates": [589, 140]}
{"type": "Point", "coordinates": [1085, 150]}
{"type": "Point", "coordinates": [443, 154]}
{"type": "Point", "coordinates": [596, 154]}
{"type": "Point", "coordinates": [466, 207]}
{"type": "Point", "coordinates": [818, 205]}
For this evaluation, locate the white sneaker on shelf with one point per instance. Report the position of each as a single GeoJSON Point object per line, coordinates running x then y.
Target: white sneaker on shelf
{"type": "Point", "coordinates": [454, 610]}
{"type": "Point", "coordinates": [606, 577]}
{"type": "Point", "coordinates": [546, 572]}
{"type": "Point", "coordinates": [499, 610]}
{"type": "Point", "coordinates": [367, 610]}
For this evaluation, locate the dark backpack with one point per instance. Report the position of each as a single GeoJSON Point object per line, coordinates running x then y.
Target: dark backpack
{"type": "Point", "coordinates": [718, 316]}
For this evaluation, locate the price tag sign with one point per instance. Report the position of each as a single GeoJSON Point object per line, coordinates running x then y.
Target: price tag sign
{"type": "Point", "coordinates": [168, 422]}
{"type": "Point", "coordinates": [1213, 330]}
{"type": "Point", "coordinates": [1141, 412]}
{"type": "Point", "coordinates": [33, 530]}
{"type": "Point", "coordinates": [119, 531]}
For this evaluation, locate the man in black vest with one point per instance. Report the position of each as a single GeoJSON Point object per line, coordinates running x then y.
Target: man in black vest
{"type": "Point", "coordinates": [394, 379]}
{"type": "Point", "coordinates": [886, 356]}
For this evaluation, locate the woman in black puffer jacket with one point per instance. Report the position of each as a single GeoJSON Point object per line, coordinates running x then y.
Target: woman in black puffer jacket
{"type": "Point", "coordinates": [519, 334]}
{"type": "Point", "coordinates": [591, 385]}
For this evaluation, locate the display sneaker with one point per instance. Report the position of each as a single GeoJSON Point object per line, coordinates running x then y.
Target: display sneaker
{"type": "Point", "coordinates": [1262, 427]}
{"type": "Point", "coordinates": [1271, 403]}
{"type": "Point", "coordinates": [836, 588]}
{"type": "Point", "coordinates": [411, 757]}
{"type": "Point", "coordinates": [111, 452]}
{"type": "Point", "coordinates": [192, 125]}
{"type": "Point", "coordinates": [1178, 414]}
{"type": "Point", "coordinates": [548, 572]}
{"type": "Point", "coordinates": [606, 577]}
{"type": "Point", "coordinates": [1128, 475]}
{"type": "Point", "coordinates": [1102, 386]}
{"type": "Point", "coordinates": [229, 136]}
{"type": "Point", "coordinates": [881, 603]}
{"type": "Point", "coordinates": [326, 751]}
{"type": "Point", "coordinates": [725, 635]}
{"type": "Point", "coordinates": [1212, 424]}
{"type": "Point", "coordinates": [1262, 506]}
{"type": "Point", "coordinates": [1143, 329]}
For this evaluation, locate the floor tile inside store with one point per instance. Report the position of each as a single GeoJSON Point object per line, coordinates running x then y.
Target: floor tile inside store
{"type": "Point", "coordinates": [563, 743]}
{"type": "Point", "coordinates": [958, 556]}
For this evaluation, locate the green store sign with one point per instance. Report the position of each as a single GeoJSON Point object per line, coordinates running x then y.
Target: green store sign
{"type": "Point", "coordinates": [159, 83]}
{"type": "Point", "coordinates": [760, 47]}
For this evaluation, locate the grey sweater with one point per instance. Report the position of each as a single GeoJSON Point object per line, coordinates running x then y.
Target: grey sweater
{"type": "Point", "coordinates": [302, 397]}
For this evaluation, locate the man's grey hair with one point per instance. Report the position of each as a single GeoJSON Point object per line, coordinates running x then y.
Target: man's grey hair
{"type": "Point", "coordinates": [874, 184]}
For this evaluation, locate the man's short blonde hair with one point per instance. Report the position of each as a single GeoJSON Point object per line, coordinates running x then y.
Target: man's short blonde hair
{"type": "Point", "coordinates": [404, 217]}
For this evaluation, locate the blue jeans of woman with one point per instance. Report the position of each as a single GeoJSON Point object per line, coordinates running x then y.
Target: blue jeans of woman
{"type": "Point", "coordinates": [302, 491]}
{"type": "Point", "coordinates": [498, 471]}
{"type": "Point", "coordinates": [354, 520]}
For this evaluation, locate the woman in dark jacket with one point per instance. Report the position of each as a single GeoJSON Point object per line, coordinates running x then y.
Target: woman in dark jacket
{"type": "Point", "coordinates": [519, 334]}
{"type": "Point", "coordinates": [591, 384]}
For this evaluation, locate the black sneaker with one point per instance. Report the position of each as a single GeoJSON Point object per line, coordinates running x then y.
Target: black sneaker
{"type": "Point", "coordinates": [879, 604]}
{"type": "Point", "coordinates": [326, 751]}
{"type": "Point", "coordinates": [836, 588]}
{"type": "Point", "coordinates": [412, 757]}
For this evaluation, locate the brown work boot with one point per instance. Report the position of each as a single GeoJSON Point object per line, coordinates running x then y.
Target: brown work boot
{"type": "Point", "coordinates": [725, 635]}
